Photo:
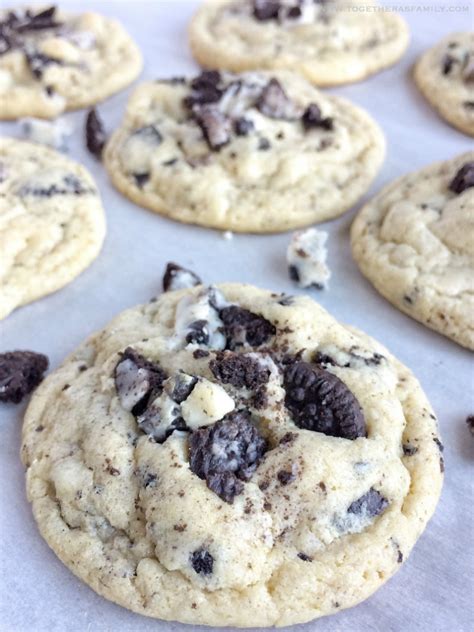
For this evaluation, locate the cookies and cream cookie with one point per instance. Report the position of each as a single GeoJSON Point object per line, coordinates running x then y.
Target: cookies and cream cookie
{"type": "Point", "coordinates": [228, 456]}
{"type": "Point", "coordinates": [52, 223]}
{"type": "Point", "coordinates": [254, 152]}
{"type": "Point", "coordinates": [445, 76]}
{"type": "Point", "coordinates": [328, 42]}
{"type": "Point", "coordinates": [52, 61]}
{"type": "Point", "coordinates": [414, 242]}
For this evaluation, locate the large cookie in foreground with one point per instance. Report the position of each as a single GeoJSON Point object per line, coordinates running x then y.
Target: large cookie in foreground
{"type": "Point", "coordinates": [229, 456]}
{"type": "Point", "coordinates": [445, 76]}
{"type": "Point", "coordinates": [255, 152]}
{"type": "Point", "coordinates": [327, 42]}
{"type": "Point", "coordinates": [51, 61]}
{"type": "Point", "coordinates": [414, 242]}
{"type": "Point", "coordinates": [52, 223]}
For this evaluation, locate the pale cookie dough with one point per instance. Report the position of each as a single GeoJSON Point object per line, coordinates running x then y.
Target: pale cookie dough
{"type": "Point", "coordinates": [329, 42]}
{"type": "Point", "coordinates": [229, 456]}
{"type": "Point", "coordinates": [414, 242]}
{"type": "Point", "coordinates": [52, 223]}
{"type": "Point", "coordinates": [445, 76]}
{"type": "Point", "coordinates": [51, 61]}
{"type": "Point", "coordinates": [255, 152]}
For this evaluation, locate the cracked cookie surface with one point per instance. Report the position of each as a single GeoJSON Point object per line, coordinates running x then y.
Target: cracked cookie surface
{"type": "Point", "coordinates": [254, 152]}
{"type": "Point", "coordinates": [52, 61]}
{"type": "Point", "coordinates": [282, 473]}
{"type": "Point", "coordinates": [445, 76]}
{"type": "Point", "coordinates": [52, 223]}
{"type": "Point", "coordinates": [413, 241]}
{"type": "Point", "coordinates": [327, 42]}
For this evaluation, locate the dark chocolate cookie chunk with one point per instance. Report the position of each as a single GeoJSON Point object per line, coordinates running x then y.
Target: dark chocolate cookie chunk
{"type": "Point", "coordinates": [266, 9]}
{"type": "Point", "coordinates": [177, 278]}
{"type": "Point", "coordinates": [240, 370]}
{"type": "Point", "coordinates": [137, 380]}
{"type": "Point", "coordinates": [470, 423]}
{"type": "Point", "coordinates": [215, 126]}
{"type": "Point", "coordinates": [275, 103]}
{"type": "Point", "coordinates": [95, 133]}
{"type": "Point", "coordinates": [202, 562]}
{"type": "Point", "coordinates": [242, 326]}
{"type": "Point", "coordinates": [370, 504]}
{"type": "Point", "coordinates": [312, 117]}
{"type": "Point", "coordinates": [226, 454]}
{"type": "Point", "coordinates": [320, 401]}
{"type": "Point", "coordinates": [464, 178]}
{"type": "Point", "coordinates": [20, 373]}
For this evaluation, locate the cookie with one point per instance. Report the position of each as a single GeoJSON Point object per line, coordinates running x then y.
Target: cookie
{"type": "Point", "coordinates": [413, 241]}
{"type": "Point", "coordinates": [51, 61]}
{"type": "Point", "coordinates": [52, 223]}
{"type": "Point", "coordinates": [254, 152]}
{"type": "Point", "coordinates": [329, 43]}
{"type": "Point", "coordinates": [228, 456]}
{"type": "Point", "coordinates": [445, 76]}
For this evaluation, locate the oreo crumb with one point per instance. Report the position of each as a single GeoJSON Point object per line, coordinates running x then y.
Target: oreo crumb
{"type": "Point", "coordinates": [200, 353]}
{"type": "Point", "coordinates": [239, 370]}
{"type": "Point", "coordinates": [266, 9]}
{"type": "Point", "coordinates": [226, 454]}
{"type": "Point", "coordinates": [95, 134]}
{"type": "Point", "coordinates": [312, 117]}
{"type": "Point", "coordinates": [320, 401]}
{"type": "Point", "coordinates": [370, 504]}
{"type": "Point", "coordinates": [275, 103]}
{"type": "Point", "coordinates": [202, 562]}
{"type": "Point", "coordinates": [137, 381]}
{"type": "Point", "coordinates": [464, 178]}
{"type": "Point", "coordinates": [285, 477]}
{"type": "Point", "coordinates": [214, 124]}
{"type": "Point", "coordinates": [243, 126]}
{"type": "Point", "coordinates": [242, 326]}
{"type": "Point", "coordinates": [304, 557]}
{"type": "Point", "coordinates": [20, 373]}
{"type": "Point", "coordinates": [409, 450]}
{"type": "Point", "coordinates": [470, 423]}
{"type": "Point", "coordinates": [177, 278]}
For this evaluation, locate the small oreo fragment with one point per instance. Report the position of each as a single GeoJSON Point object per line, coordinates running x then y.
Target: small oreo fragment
{"type": "Point", "coordinates": [242, 326]}
{"type": "Point", "coordinates": [312, 117]}
{"type": "Point", "coordinates": [202, 562]}
{"type": "Point", "coordinates": [240, 370]}
{"type": "Point", "coordinates": [226, 454]}
{"type": "Point", "coordinates": [177, 278]}
{"type": "Point", "coordinates": [266, 9]}
{"type": "Point", "coordinates": [215, 126]}
{"type": "Point", "coordinates": [470, 423]}
{"type": "Point", "coordinates": [137, 381]}
{"type": "Point", "coordinates": [464, 178]}
{"type": "Point", "coordinates": [204, 89]}
{"type": "Point", "coordinates": [275, 103]}
{"type": "Point", "coordinates": [20, 373]}
{"type": "Point", "coordinates": [370, 504]}
{"type": "Point", "coordinates": [95, 133]}
{"type": "Point", "coordinates": [318, 400]}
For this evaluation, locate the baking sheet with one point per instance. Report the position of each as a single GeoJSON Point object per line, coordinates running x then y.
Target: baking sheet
{"type": "Point", "coordinates": [433, 590]}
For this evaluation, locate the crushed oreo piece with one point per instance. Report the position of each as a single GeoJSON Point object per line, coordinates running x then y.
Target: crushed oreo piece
{"type": "Point", "coordinates": [205, 89]}
{"type": "Point", "coordinates": [464, 178]}
{"type": "Point", "coordinates": [409, 450]}
{"type": "Point", "coordinates": [137, 380]}
{"type": "Point", "coordinates": [447, 63]}
{"type": "Point", "coordinates": [215, 126]}
{"type": "Point", "coordinates": [470, 423]}
{"type": "Point", "coordinates": [200, 353]}
{"type": "Point", "coordinates": [226, 454]}
{"type": "Point", "coordinates": [198, 332]}
{"type": "Point", "coordinates": [320, 401]}
{"type": "Point", "coordinates": [285, 477]}
{"type": "Point", "coordinates": [266, 9]}
{"type": "Point", "coordinates": [242, 326]}
{"type": "Point", "coordinates": [312, 117]}
{"type": "Point", "coordinates": [240, 370]}
{"type": "Point", "coordinates": [141, 178]}
{"type": "Point", "coordinates": [69, 185]}
{"type": "Point", "coordinates": [202, 562]}
{"type": "Point", "coordinates": [38, 62]}
{"type": "Point", "coordinates": [183, 387]}
{"type": "Point", "coordinates": [275, 103]}
{"type": "Point", "coordinates": [95, 133]}
{"type": "Point", "coordinates": [370, 504]}
{"type": "Point", "coordinates": [177, 278]}
{"type": "Point", "coordinates": [263, 144]}
{"type": "Point", "coordinates": [20, 373]}
{"type": "Point", "coordinates": [243, 126]}
{"type": "Point", "coordinates": [304, 557]}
